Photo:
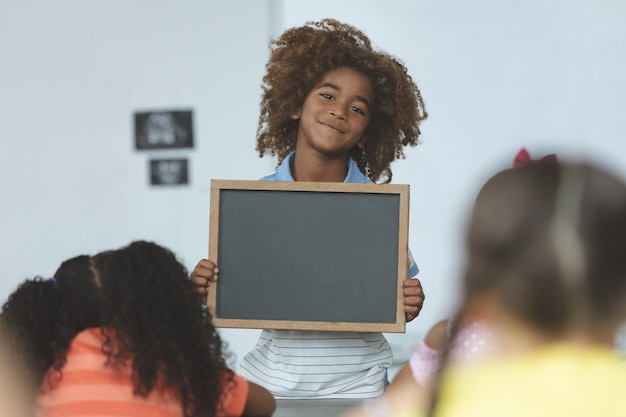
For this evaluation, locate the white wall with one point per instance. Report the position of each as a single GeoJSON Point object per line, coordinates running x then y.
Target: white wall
{"type": "Point", "coordinates": [72, 74]}
{"type": "Point", "coordinates": [495, 76]}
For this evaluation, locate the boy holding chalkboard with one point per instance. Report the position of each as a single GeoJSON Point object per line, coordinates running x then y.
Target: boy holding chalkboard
{"type": "Point", "coordinates": [333, 110]}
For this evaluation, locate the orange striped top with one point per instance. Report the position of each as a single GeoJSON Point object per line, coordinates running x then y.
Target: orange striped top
{"type": "Point", "coordinates": [90, 388]}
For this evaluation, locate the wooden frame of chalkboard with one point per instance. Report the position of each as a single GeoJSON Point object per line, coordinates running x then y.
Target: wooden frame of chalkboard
{"type": "Point", "coordinates": [308, 255]}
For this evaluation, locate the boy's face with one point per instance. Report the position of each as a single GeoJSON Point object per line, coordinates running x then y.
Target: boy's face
{"type": "Point", "coordinates": [335, 113]}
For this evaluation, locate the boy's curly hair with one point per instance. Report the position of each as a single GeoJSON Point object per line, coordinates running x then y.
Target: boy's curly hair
{"type": "Point", "coordinates": [141, 298]}
{"type": "Point", "coordinates": [301, 57]}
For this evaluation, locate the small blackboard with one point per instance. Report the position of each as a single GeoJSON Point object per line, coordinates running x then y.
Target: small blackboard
{"type": "Point", "coordinates": [308, 256]}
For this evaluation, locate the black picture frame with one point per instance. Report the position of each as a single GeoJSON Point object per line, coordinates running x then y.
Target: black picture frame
{"type": "Point", "coordinates": [163, 129]}
{"type": "Point", "coordinates": [169, 172]}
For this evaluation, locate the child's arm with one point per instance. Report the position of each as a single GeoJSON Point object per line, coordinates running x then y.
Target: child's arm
{"type": "Point", "coordinates": [260, 402]}
{"type": "Point", "coordinates": [243, 398]}
{"type": "Point", "coordinates": [413, 297]}
{"type": "Point", "coordinates": [202, 275]}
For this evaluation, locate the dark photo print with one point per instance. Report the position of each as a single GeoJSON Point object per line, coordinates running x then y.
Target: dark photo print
{"type": "Point", "coordinates": [163, 130]}
{"type": "Point", "coordinates": [169, 172]}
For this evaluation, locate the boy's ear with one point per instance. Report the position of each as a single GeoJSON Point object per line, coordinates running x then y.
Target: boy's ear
{"type": "Point", "coordinates": [295, 115]}
{"type": "Point", "coordinates": [361, 143]}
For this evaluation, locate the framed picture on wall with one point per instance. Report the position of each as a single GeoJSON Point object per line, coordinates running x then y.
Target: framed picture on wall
{"type": "Point", "coordinates": [164, 129]}
{"type": "Point", "coordinates": [169, 172]}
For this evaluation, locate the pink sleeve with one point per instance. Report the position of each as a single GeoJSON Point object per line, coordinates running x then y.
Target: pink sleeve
{"type": "Point", "coordinates": [425, 363]}
{"type": "Point", "coordinates": [234, 397]}
{"type": "Point", "coordinates": [474, 341]}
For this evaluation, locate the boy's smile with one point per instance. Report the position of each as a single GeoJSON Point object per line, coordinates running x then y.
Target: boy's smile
{"type": "Point", "coordinates": [335, 114]}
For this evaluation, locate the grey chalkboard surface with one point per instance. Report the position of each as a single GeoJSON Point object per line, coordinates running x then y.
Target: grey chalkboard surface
{"type": "Point", "coordinates": [308, 256]}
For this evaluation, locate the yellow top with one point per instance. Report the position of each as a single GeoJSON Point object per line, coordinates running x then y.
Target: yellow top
{"type": "Point", "coordinates": [558, 380]}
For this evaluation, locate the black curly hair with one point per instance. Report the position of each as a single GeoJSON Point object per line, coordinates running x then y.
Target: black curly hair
{"type": "Point", "coordinates": [143, 293]}
{"type": "Point", "coordinates": [28, 326]}
{"type": "Point", "coordinates": [301, 57]}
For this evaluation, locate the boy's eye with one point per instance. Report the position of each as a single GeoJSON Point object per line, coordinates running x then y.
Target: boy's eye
{"type": "Point", "coordinates": [357, 110]}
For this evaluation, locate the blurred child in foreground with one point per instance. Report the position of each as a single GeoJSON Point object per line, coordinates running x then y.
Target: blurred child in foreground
{"type": "Point", "coordinates": [545, 271]}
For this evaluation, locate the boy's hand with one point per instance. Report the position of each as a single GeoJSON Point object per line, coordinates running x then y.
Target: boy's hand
{"type": "Point", "coordinates": [202, 275]}
{"type": "Point", "coordinates": [413, 297]}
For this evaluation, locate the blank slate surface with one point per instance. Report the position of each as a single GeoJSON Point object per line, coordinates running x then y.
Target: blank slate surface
{"type": "Point", "coordinates": [309, 256]}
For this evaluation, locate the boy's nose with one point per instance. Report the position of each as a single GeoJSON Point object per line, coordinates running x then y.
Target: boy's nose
{"type": "Point", "coordinates": [338, 113]}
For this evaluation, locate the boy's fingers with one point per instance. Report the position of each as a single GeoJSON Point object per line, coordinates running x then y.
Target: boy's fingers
{"type": "Point", "coordinates": [413, 310]}
{"type": "Point", "coordinates": [412, 288]}
{"type": "Point", "coordinates": [413, 298]}
{"type": "Point", "coordinates": [413, 302]}
{"type": "Point", "coordinates": [200, 281]}
{"type": "Point", "coordinates": [201, 274]}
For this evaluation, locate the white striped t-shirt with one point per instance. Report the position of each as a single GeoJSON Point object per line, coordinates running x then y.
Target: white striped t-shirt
{"type": "Point", "coordinates": [321, 364]}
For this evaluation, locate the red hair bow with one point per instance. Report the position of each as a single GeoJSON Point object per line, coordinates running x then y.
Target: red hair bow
{"type": "Point", "coordinates": [523, 158]}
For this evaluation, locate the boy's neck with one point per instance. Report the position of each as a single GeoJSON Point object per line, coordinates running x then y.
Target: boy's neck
{"type": "Point", "coordinates": [318, 168]}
